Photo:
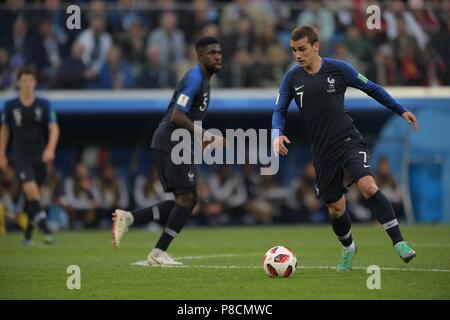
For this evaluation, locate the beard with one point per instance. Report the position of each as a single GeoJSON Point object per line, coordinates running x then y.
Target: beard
{"type": "Point", "coordinates": [212, 69]}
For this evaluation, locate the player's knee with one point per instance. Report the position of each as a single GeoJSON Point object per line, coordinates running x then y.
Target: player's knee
{"type": "Point", "coordinates": [368, 189]}
{"type": "Point", "coordinates": [336, 209]}
{"type": "Point", "coordinates": [188, 200]}
{"type": "Point", "coordinates": [335, 212]}
{"type": "Point", "coordinates": [31, 191]}
{"type": "Point", "coordinates": [194, 201]}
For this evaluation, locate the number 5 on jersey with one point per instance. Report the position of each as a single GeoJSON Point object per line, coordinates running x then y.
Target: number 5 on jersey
{"type": "Point", "coordinates": [205, 102]}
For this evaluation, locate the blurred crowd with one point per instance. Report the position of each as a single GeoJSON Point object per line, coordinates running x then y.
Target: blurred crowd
{"type": "Point", "coordinates": [149, 44]}
{"type": "Point", "coordinates": [228, 195]}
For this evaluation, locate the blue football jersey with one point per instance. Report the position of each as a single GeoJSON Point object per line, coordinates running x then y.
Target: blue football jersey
{"type": "Point", "coordinates": [320, 98]}
{"type": "Point", "coordinates": [191, 95]}
{"type": "Point", "coordinates": [28, 125]}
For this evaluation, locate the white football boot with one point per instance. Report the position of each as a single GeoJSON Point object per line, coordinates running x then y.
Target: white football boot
{"type": "Point", "coordinates": [121, 221]}
{"type": "Point", "coordinates": [157, 257]}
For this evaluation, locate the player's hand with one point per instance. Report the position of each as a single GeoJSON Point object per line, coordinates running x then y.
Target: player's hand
{"type": "Point", "coordinates": [48, 156]}
{"type": "Point", "coordinates": [411, 118]}
{"type": "Point", "coordinates": [279, 147]}
{"type": "Point", "coordinates": [221, 141]}
{"type": "Point", "coordinates": [3, 162]}
{"type": "Point", "coordinates": [206, 139]}
{"type": "Point", "coordinates": [218, 142]}
{"type": "Point", "coordinates": [210, 140]}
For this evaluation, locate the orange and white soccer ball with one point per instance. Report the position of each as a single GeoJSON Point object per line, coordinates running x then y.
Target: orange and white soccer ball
{"type": "Point", "coordinates": [280, 261]}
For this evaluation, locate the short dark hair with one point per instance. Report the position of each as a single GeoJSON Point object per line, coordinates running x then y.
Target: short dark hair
{"type": "Point", "coordinates": [305, 31]}
{"type": "Point", "coordinates": [26, 70]}
{"type": "Point", "coordinates": [205, 41]}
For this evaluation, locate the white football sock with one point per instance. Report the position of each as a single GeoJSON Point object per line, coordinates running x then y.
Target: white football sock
{"type": "Point", "coordinates": [351, 247]}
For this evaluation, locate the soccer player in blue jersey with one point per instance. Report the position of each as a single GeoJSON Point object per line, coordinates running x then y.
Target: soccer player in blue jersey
{"type": "Point", "coordinates": [27, 119]}
{"type": "Point", "coordinates": [189, 103]}
{"type": "Point", "coordinates": [318, 86]}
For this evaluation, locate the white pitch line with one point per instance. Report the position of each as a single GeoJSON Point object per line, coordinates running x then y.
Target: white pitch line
{"type": "Point", "coordinates": [144, 263]}
{"type": "Point", "coordinates": [212, 256]}
{"type": "Point", "coordinates": [381, 268]}
{"type": "Point", "coordinates": [432, 245]}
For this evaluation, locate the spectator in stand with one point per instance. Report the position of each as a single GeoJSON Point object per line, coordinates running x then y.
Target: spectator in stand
{"type": "Point", "coordinates": [341, 53]}
{"type": "Point", "coordinates": [116, 72]}
{"type": "Point", "coordinates": [441, 47]}
{"type": "Point", "coordinates": [160, 7]}
{"type": "Point", "coordinates": [386, 68]}
{"type": "Point", "coordinates": [98, 8]}
{"type": "Point", "coordinates": [270, 57]}
{"type": "Point", "coordinates": [260, 12]}
{"type": "Point", "coordinates": [229, 190]}
{"type": "Point", "coordinates": [238, 49]}
{"type": "Point", "coordinates": [113, 194]}
{"type": "Point", "coordinates": [82, 198]}
{"type": "Point", "coordinates": [210, 30]}
{"type": "Point", "coordinates": [258, 209]}
{"type": "Point", "coordinates": [133, 44]}
{"type": "Point", "coordinates": [149, 191]}
{"type": "Point", "coordinates": [46, 56]}
{"type": "Point", "coordinates": [73, 73]}
{"type": "Point", "coordinates": [276, 195]}
{"type": "Point", "coordinates": [424, 15]}
{"type": "Point", "coordinates": [442, 9]}
{"type": "Point", "coordinates": [231, 14]}
{"type": "Point", "coordinates": [303, 201]}
{"type": "Point", "coordinates": [18, 43]}
{"type": "Point", "coordinates": [6, 70]}
{"type": "Point", "coordinates": [153, 74]}
{"type": "Point", "coordinates": [56, 14]}
{"type": "Point", "coordinates": [387, 184]}
{"type": "Point", "coordinates": [52, 191]}
{"type": "Point", "coordinates": [192, 21]}
{"type": "Point", "coordinates": [10, 191]}
{"type": "Point", "coordinates": [398, 13]}
{"type": "Point", "coordinates": [36, 34]}
{"type": "Point", "coordinates": [409, 59]}
{"type": "Point", "coordinates": [122, 18]}
{"type": "Point", "coordinates": [319, 16]}
{"type": "Point", "coordinates": [170, 42]}
{"type": "Point", "coordinates": [190, 63]}
{"type": "Point", "coordinates": [361, 49]}
{"type": "Point", "coordinates": [12, 11]}
{"type": "Point", "coordinates": [208, 211]}
{"type": "Point", "coordinates": [52, 188]}
{"type": "Point", "coordinates": [96, 43]}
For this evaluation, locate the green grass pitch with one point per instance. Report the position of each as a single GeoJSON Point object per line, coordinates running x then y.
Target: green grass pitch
{"type": "Point", "coordinates": [226, 263]}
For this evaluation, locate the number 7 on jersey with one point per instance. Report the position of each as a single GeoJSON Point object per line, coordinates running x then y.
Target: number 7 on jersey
{"type": "Point", "coordinates": [301, 98]}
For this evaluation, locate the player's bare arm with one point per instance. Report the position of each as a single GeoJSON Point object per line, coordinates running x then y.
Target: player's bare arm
{"type": "Point", "coordinates": [4, 137]}
{"type": "Point", "coordinates": [49, 152]}
{"type": "Point", "coordinates": [180, 118]}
